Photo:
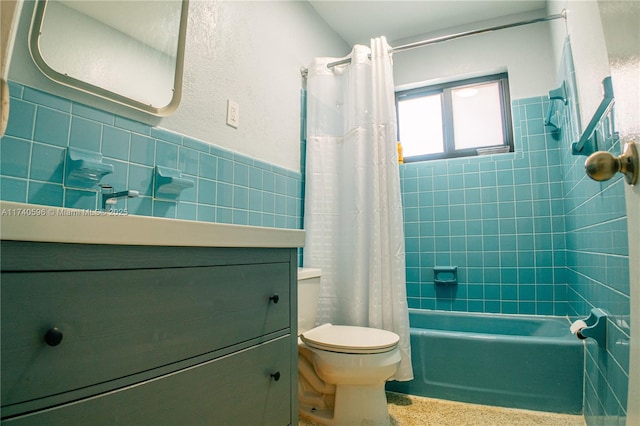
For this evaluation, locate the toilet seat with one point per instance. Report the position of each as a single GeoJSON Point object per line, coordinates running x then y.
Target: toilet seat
{"type": "Point", "coordinates": [350, 339]}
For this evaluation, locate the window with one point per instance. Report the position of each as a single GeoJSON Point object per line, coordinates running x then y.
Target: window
{"type": "Point", "coordinates": [456, 119]}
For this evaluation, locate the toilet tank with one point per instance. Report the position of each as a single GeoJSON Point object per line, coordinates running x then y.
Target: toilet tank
{"type": "Point", "coordinates": [308, 289]}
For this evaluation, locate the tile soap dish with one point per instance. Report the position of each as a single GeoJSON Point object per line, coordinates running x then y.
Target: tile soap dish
{"type": "Point", "coordinates": [169, 183]}
{"type": "Point", "coordinates": [85, 169]}
{"type": "Point", "coordinates": [445, 275]}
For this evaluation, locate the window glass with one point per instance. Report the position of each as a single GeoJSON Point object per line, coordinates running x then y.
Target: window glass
{"type": "Point", "coordinates": [477, 116]}
{"type": "Point", "coordinates": [455, 119]}
{"type": "Point", "coordinates": [421, 125]}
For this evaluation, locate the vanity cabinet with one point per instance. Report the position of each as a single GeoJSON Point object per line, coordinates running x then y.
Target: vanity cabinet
{"type": "Point", "coordinates": [134, 335]}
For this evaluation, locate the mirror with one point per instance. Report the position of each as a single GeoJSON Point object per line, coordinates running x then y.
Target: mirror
{"type": "Point", "coordinates": [128, 51]}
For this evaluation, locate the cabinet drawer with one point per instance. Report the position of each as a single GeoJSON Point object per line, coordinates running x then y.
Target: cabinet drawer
{"type": "Point", "coordinates": [234, 390]}
{"type": "Point", "coordinates": [118, 323]}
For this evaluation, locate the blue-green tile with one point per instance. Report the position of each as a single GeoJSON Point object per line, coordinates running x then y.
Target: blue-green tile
{"type": "Point", "coordinates": [281, 185]}
{"type": "Point", "coordinates": [189, 195]}
{"type": "Point", "coordinates": [280, 221]}
{"type": "Point", "coordinates": [52, 127]}
{"type": "Point", "coordinates": [224, 195]}
{"type": "Point", "coordinates": [221, 152]}
{"type": "Point", "coordinates": [188, 161]}
{"type": "Point", "coordinates": [509, 292]}
{"type": "Point", "coordinates": [46, 99]}
{"type": "Point", "coordinates": [409, 200]}
{"type": "Point", "coordinates": [240, 217]}
{"type": "Point", "coordinates": [243, 159]}
{"type": "Point", "coordinates": [166, 154]}
{"type": "Point", "coordinates": [534, 111]}
{"type": "Point", "coordinates": [47, 163]}
{"type": "Point", "coordinates": [166, 209]}
{"type": "Point", "coordinates": [166, 135]}
{"type": "Point", "coordinates": [77, 199]}
{"type": "Point", "coordinates": [269, 181]}
{"type": "Point", "coordinates": [115, 143]}
{"type": "Point", "coordinates": [142, 206]}
{"type": "Point", "coordinates": [143, 150]}
{"type": "Point", "coordinates": [269, 202]}
{"type": "Point", "coordinates": [187, 211]}
{"type": "Point", "coordinates": [509, 307]}
{"type": "Point", "coordinates": [21, 119]}
{"type": "Point", "coordinates": [196, 144]}
{"type": "Point", "coordinates": [134, 126]}
{"type": "Point", "coordinates": [521, 176]}
{"type": "Point", "coordinates": [241, 174]}
{"type": "Point", "coordinates": [281, 205]}
{"type": "Point", "coordinates": [207, 191]}
{"type": "Point", "coordinates": [206, 213]}
{"type": "Point", "coordinates": [120, 176]}
{"type": "Point", "coordinates": [527, 308]}
{"type": "Point", "coordinates": [526, 275]}
{"type": "Point", "coordinates": [93, 114]}
{"type": "Point", "coordinates": [225, 170]}
{"type": "Point", "coordinates": [13, 189]}
{"type": "Point", "coordinates": [292, 207]}
{"type": "Point", "coordinates": [489, 195]}
{"type": "Point", "coordinates": [15, 89]}
{"type": "Point", "coordinates": [255, 200]}
{"type": "Point", "coordinates": [85, 134]}
{"type": "Point", "coordinates": [255, 178]}
{"type": "Point", "coordinates": [509, 276]}
{"type": "Point", "coordinates": [15, 155]}
{"type": "Point", "coordinates": [141, 179]}
{"type": "Point", "coordinates": [224, 215]}
{"type": "Point", "coordinates": [208, 166]}
{"type": "Point", "coordinates": [535, 127]}
{"type": "Point", "coordinates": [45, 194]}
{"type": "Point", "coordinates": [293, 186]}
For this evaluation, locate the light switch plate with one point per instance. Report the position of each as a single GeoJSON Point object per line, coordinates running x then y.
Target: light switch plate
{"type": "Point", "coordinates": [233, 113]}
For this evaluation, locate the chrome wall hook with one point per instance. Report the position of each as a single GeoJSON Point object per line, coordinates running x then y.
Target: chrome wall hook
{"type": "Point", "coordinates": [603, 165]}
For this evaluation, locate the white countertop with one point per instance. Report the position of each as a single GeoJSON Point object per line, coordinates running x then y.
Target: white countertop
{"type": "Point", "coordinates": [31, 222]}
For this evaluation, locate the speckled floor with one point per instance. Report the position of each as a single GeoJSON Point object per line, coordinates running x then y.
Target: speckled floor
{"type": "Point", "coordinates": [409, 410]}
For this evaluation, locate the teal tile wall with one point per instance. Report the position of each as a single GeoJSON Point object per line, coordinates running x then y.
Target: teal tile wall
{"type": "Point", "coordinates": [229, 187]}
{"type": "Point", "coordinates": [499, 218]}
{"type": "Point", "coordinates": [598, 274]}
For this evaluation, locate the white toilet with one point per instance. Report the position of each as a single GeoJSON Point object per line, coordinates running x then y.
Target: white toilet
{"type": "Point", "coordinates": [342, 370]}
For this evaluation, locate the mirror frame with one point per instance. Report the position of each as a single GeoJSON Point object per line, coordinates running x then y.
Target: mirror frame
{"type": "Point", "coordinates": [34, 49]}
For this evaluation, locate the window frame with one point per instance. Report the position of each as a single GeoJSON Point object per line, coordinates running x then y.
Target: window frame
{"type": "Point", "coordinates": [447, 115]}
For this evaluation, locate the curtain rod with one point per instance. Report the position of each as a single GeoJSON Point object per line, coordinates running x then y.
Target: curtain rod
{"type": "Point", "coordinates": [409, 46]}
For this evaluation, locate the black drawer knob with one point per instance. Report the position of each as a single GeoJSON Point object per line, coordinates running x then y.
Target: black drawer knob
{"type": "Point", "coordinates": [275, 376]}
{"type": "Point", "coordinates": [275, 298]}
{"type": "Point", "coordinates": [53, 337]}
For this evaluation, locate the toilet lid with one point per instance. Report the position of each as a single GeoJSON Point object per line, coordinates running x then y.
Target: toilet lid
{"type": "Point", "coordinates": [350, 339]}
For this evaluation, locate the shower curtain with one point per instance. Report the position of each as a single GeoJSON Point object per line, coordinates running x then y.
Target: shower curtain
{"type": "Point", "coordinates": [353, 210]}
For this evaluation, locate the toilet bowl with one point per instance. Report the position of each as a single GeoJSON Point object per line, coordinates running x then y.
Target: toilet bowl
{"type": "Point", "coordinates": [342, 369]}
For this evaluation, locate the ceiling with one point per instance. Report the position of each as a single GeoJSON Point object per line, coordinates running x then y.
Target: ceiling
{"type": "Point", "coordinates": [359, 21]}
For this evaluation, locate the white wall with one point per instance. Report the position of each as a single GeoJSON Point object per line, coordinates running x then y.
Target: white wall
{"type": "Point", "coordinates": [588, 47]}
{"type": "Point", "coordinates": [525, 52]}
{"type": "Point", "coordinates": [250, 52]}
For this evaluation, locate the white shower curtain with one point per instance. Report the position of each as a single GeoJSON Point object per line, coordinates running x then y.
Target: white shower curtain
{"type": "Point", "coordinates": [353, 210]}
